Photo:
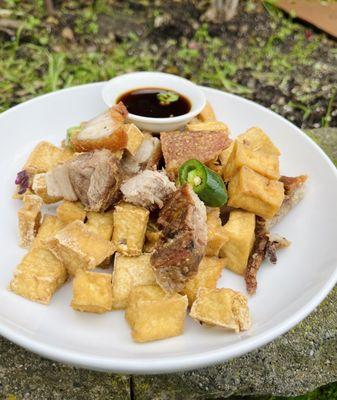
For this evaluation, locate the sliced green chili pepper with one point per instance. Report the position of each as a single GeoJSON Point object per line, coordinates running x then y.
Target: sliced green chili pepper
{"type": "Point", "coordinates": [70, 133]}
{"type": "Point", "coordinates": [208, 185]}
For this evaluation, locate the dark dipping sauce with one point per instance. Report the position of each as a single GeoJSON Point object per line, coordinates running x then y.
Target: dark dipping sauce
{"type": "Point", "coordinates": [155, 102]}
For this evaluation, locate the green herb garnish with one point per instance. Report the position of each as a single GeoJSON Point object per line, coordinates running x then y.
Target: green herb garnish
{"type": "Point", "coordinates": [166, 98]}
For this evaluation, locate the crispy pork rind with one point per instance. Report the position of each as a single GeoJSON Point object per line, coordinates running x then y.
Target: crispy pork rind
{"type": "Point", "coordinates": [178, 147]}
{"type": "Point", "coordinates": [153, 314]}
{"type": "Point", "coordinates": [294, 190]}
{"type": "Point", "coordinates": [78, 248]}
{"type": "Point", "coordinates": [183, 241]}
{"type": "Point", "coordinates": [69, 211]}
{"type": "Point", "coordinates": [207, 276]}
{"type": "Point", "coordinates": [29, 217]}
{"type": "Point", "coordinates": [148, 189]}
{"type": "Point", "coordinates": [130, 224]}
{"type": "Point", "coordinates": [265, 244]}
{"type": "Point", "coordinates": [106, 131]}
{"type": "Point", "coordinates": [128, 273]}
{"type": "Point", "coordinates": [92, 292]}
{"type": "Point", "coordinates": [38, 275]}
{"type": "Point", "coordinates": [222, 307]}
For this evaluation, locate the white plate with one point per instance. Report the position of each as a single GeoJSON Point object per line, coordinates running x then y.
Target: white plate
{"type": "Point", "coordinates": [287, 292]}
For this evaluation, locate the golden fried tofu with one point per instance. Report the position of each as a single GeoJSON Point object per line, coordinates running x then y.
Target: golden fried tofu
{"type": "Point", "coordinates": [69, 211]}
{"type": "Point", "coordinates": [240, 231]}
{"type": "Point", "coordinates": [78, 248]}
{"type": "Point", "coordinates": [222, 307]}
{"type": "Point", "coordinates": [152, 235]}
{"type": "Point", "coordinates": [29, 219]}
{"type": "Point", "coordinates": [92, 292]}
{"type": "Point", "coordinates": [256, 139]}
{"type": "Point", "coordinates": [153, 314]}
{"type": "Point", "coordinates": [264, 163]}
{"type": "Point", "coordinates": [100, 223]}
{"type": "Point", "coordinates": [135, 138]}
{"type": "Point", "coordinates": [216, 235]}
{"type": "Point", "coordinates": [130, 224]}
{"type": "Point", "coordinates": [255, 193]}
{"type": "Point", "coordinates": [38, 276]}
{"type": "Point", "coordinates": [43, 158]}
{"type": "Point", "coordinates": [208, 126]}
{"type": "Point", "coordinates": [129, 272]}
{"type": "Point", "coordinates": [207, 113]}
{"type": "Point", "coordinates": [49, 227]}
{"type": "Point", "coordinates": [224, 156]}
{"type": "Point", "coordinates": [39, 187]}
{"type": "Point", "coordinates": [208, 274]}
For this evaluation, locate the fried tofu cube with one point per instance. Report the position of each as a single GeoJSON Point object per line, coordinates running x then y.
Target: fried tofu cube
{"type": "Point", "coordinates": [208, 126]}
{"type": "Point", "coordinates": [207, 113]}
{"type": "Point", "coordinates": [263, 163]}
{"type": "Point", "coordinates": [130, 224]}
{"type": "Point", "coordinates": [78, 248]}
{"type": "Point", "coordinates": [129, 272]}
{"type": "Point", "coordinates": [240, 230]}
{"type": "Point", "coordinates": [92, 292]}
{"type": "Point", "coordinates": [216, 235]}
{"type": "Point", "coordinates": [29, 219]}
{"type": "Point", "coordinates": [38, 276]}
{"type": "Point", "coordinates": [153, 314]}
{"type": "Point", "coordinates": [49, 227]}
{"type": "Point", "coordinates": [257, 140]}
{"type": "Point", "coordinates": [43, 158]}
{"type": "Point", "coordinates": [135, 138]}
{"type": "Point", "coordinates": [39, 187]}
{"type": "Point", "coordinates": [70, 211]}
{"type": "Point", "coordinates": [222, 307]}
{"type": "Point", "coordinates": [100, 223]}
{"type": "Point", "coordinates": [255, 193]}
{"type": "Point", "coordinates": [152, 235]}
{"type": "Point", "coordinates": [208, 274]}
{"type": "Point", "coordinates": [225, 154]}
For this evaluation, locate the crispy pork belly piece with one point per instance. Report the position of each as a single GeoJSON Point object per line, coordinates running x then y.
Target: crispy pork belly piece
{"type": "Point", "coordinates": [146, 157]}
{"type": "Point", "coordinates": [204, 146]}
{"type": "Point", "coordinates": [104, 131]}
{"type": "Point", "coordinates": [95, 177]}
{"type": "Point", "coordinates": [294, 190]}
{"type": "Point", "coordinates": [59, 184]}
{"type": "Point", "coordinates": [265, 244]}
{"type": "Point", "coordinates": [148, 189]}
{"type": "Point", "coordinates": [182, 244]}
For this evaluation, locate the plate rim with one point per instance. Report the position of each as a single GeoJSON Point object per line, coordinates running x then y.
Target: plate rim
{"type": "Point", "coordinates": [183, 362]}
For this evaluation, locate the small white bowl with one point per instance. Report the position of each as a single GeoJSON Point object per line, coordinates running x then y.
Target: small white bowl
{"type": "Point", "coordinates": [136, 80]}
